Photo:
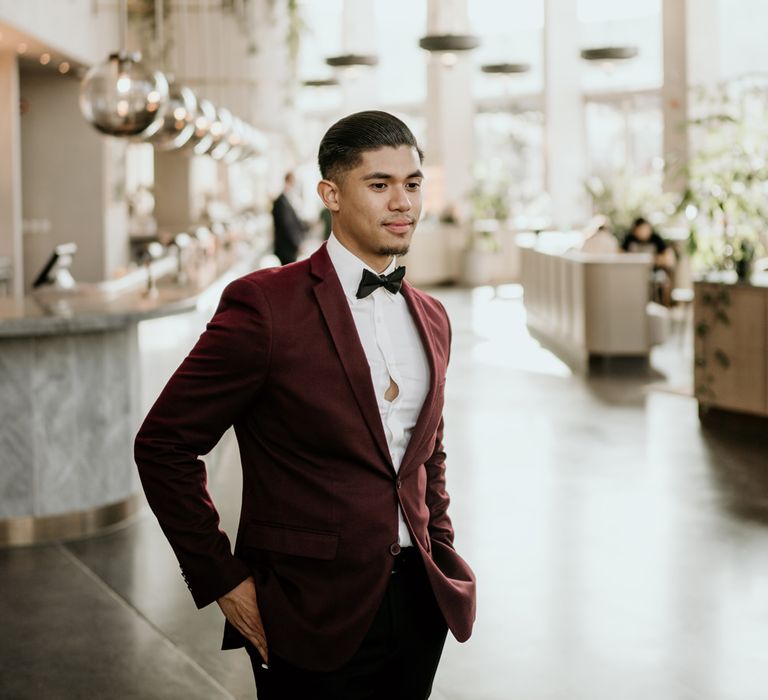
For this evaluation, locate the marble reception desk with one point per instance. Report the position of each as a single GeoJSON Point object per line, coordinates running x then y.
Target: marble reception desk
{"type": "Point", "coordinates": [70, 404]}
{"type": "Point", "coordinates": [582, 305]}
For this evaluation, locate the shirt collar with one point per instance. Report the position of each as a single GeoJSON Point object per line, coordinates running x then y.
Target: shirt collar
{"type": "Point", "coordinates": [349, 268]}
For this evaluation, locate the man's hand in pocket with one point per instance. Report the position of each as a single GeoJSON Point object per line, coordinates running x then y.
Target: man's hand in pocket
{"type": "Point", "coordinates": [241, 609]}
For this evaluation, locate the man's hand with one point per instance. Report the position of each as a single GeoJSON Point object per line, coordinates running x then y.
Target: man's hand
{"type": "Point", "coordinates": [240, 608]}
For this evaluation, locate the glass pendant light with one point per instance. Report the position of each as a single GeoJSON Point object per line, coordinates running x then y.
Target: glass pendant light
{"type": "Point", "coordinates": [236, 139]}
{"type": "Point", "coordinates": [202, 140]}
{"type": "Point", "coordinates": [124, 97]}
{"type": "Point", "coordinates": [220, 131]}
{"type": "Point", "coordinates": [178, 124]}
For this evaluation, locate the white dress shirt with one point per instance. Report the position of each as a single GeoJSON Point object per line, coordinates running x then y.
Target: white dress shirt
{"type": "Point", "coordinates": [394, 351]}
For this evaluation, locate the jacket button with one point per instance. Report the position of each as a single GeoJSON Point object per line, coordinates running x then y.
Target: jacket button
{"type": "Point", "coordinates": [394, 549]}
{"type": "Point", "coordinates": [399, 483]}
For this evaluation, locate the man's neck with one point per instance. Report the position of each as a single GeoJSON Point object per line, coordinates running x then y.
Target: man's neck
{"type": "Point", "coordinates": [378, 263]}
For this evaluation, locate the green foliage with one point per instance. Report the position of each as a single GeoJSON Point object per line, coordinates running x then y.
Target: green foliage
{"type": "Point", "coordinates": [490, 200]}
{"type": "Point", "coordinates": [726, 201]}
{"type": "Point", "coordinates": [629, 196]}
{"type": "Point", "coordinates": [715, 311]}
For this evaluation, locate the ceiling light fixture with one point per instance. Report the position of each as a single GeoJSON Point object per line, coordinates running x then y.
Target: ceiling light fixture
{"type": "Point", "coordinates": [122, 96]}
{"type": "Point", "coordinates": [320, 82]}
{"type": "Point", "coordinates": [352, 60]}
{"type": "Point", "coordinates": [609, 53]}
{"type": "Point", "coordinates": [505, 68]}
{"type": "Point", "coordinates": [452, 43]}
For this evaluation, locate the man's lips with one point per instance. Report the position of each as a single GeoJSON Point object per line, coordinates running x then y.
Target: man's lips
{"type": "Point", "coordinates": [399, 225]}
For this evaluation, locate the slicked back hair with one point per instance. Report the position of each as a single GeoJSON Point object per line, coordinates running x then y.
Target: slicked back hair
{"type": "Point", "coordinates": [345, 142]}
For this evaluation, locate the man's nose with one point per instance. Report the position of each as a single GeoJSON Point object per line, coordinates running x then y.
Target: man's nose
{"type": "Point", "coordinates": [400, 200]}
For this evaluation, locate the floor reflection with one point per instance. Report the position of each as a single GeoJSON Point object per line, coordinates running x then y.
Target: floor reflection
{"type": "Point", "coordinates": [621, 550]}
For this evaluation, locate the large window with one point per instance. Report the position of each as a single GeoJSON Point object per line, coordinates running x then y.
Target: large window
{"type": "Point", "coordinates": [509, 171]}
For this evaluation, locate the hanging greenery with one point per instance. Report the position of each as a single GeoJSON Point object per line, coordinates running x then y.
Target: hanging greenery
{"type": "Point", "coordinates": [726, 201]}
{"type": "Point", "coordinates": [296, 28]}
{"type": "Point", "coordinates": [715, 303]}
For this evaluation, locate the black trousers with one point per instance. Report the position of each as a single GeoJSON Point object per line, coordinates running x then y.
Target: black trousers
{"type": "Point", "coordinates": [397, 659]}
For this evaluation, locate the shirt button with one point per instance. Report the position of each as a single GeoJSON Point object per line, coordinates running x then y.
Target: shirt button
{"type": "Point", "coordinates": [394, 549]}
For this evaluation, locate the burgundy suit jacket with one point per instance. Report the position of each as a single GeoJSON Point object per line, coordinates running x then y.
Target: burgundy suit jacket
{"type": "Point", "coordinates": [281, 360]}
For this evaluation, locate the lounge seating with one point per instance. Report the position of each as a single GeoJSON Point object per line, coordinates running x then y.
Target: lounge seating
{"type": "Point", "coordinates": [582, 305]}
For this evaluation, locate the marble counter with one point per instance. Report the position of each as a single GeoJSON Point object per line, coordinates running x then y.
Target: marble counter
{"type": "Point", "coordinates": [70, 401]}
{"type": "Point", "coordinates": [98, 307]}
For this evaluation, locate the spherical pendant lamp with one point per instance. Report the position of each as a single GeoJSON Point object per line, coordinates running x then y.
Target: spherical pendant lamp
{"type": "Point", "coordinates": [124, 97]}
{"type": "Point", "coordinates": [202, 140]}
{"type": "Point", "coordinates": [178, 124]}
{"type": "Point", "coordinates": [220, 131]}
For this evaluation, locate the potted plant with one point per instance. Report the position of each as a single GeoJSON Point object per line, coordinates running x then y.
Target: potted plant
{"type": "Point", "coordinates": [481, 257]}
{"type": "Point", "coordinates": [490, 207]}
{"type": "Point", "coordinates": [726, 199]}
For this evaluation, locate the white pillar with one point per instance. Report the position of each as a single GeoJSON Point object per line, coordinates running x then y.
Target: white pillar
{"type": "Point", "coordinates": [11, 245]}
{"type": "Point", "coordinates": [691, 57]}
{"type": "Point", "coordinates": [450, 152]}
{"type": "Point", "coordinates": [565, 141]}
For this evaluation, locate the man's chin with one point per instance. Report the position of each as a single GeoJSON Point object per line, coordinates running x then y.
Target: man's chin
{"type": "Point", "coordinates": [401, 249]}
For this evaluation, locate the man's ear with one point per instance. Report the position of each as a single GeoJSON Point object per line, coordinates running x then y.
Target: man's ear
{"type": "Point", "coordinates": [329, 193]}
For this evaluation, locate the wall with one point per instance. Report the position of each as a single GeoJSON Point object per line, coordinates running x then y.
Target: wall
{"type": "Point", "coordinates": [71, 177]}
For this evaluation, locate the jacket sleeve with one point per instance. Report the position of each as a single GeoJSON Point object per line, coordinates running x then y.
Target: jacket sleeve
{"type": "Point", "coordinates": [438, 500]}
{"type": "Point", "coordinates": [208, 392]}
{"type": "Point", "coordinates": [440, 527]}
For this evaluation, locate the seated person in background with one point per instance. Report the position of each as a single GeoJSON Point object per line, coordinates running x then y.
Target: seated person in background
{"type": "Point", "coordinates": [643, 239]}
{"type": "Point", "coordinates": [601, 240]}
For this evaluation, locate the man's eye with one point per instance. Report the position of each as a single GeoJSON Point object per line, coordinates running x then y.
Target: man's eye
{"type": "Point", "coordinates": [414, 185]}
{"type": "Point", "coordinates": [378, 185]}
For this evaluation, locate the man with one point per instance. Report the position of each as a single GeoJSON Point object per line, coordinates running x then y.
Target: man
{"type": "Point", "coordinates": [289, 229]}
{"type": "Point", "coordinates": [332, 371]}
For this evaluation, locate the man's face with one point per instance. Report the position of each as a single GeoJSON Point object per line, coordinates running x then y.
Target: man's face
{"type": "Point", "coordinates": [378, 203]}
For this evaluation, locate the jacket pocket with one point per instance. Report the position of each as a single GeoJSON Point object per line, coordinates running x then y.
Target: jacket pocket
{"type": "Point", "coordinates": [292, 540]}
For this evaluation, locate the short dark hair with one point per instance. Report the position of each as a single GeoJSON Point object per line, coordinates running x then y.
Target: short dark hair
{"type": "Point", "coordinates": [344, 143]}
{"type": "Point", "coordinates": [638, 222]}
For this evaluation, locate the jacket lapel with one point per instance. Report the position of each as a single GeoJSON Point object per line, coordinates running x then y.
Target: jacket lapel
{"type": "Point", "coordinates": [338, 317]}
{"type": "Point", "coordinates": [422, 323]}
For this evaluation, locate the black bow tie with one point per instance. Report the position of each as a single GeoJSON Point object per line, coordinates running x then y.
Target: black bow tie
{"type": "Point", "coordinates": [371, 282]}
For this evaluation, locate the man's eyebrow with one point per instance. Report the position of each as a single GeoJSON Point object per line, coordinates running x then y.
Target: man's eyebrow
{"type": "Point", "coordinates": [387, 176]}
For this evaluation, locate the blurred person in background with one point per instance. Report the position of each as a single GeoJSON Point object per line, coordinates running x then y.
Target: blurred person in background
{"type": "Point", "coordinates": [326, 223]}
{"type": "Point", "coordinates": [290, 230]}
{"type": "Point", "coordinates": [641, 238]}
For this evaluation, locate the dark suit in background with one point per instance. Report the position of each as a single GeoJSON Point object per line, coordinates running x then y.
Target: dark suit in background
{"type": "Point", "coordinates": [289, 229]}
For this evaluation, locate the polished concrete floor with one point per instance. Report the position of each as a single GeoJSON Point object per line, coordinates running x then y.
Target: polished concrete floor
{"type": "Point", "coordinates": [621, 551]}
